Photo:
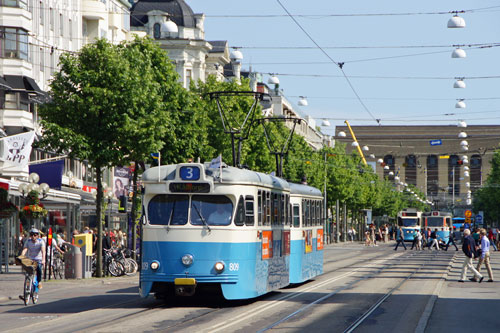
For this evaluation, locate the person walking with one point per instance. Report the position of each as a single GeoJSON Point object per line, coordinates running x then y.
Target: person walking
{"type": "Point", "coordinates": [469, 249]}
{"type": "Point", "coordinates": [400, 240]}
{"type": "Point", "coordinates": [434, 241]}
{"type": "Point", "coordinates": [415, 240]}
{"type": "Point", "coordinates": [491, 238]}
{"type": "Point", "coordinates": [485, 254]}
{"type": "Point", "coordinates": [451, 240]}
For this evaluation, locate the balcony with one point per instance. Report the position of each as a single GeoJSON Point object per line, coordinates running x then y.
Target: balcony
{"type": "Point", "coordinates": [94, 10]}
{"type": "Point", "coordinates": [16, 118]}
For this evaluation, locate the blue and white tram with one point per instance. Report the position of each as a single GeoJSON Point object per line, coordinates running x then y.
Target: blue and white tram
{"type": "Point", "coordinates": [227, 229]}
{"type": "Point", "coordinates": [306, 248]}
{"type": "Point", "coordinates": [438, 221]}
{"type": "Point", "coordinates": [409, 220]}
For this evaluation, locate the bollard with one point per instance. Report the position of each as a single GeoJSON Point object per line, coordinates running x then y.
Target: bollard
{"type": "Point", "coordinates": [77, 263]}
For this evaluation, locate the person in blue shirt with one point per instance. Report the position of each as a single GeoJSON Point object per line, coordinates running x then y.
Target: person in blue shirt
{"type": "Point", "coordinates": [451, 240]}
{"type": "Point", "coordinates": [485, 254]}
{"type": "Point", "coordinates": [469, 249]}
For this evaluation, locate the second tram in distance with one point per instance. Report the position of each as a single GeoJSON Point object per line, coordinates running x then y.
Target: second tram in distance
{"type": "Point", "coordinates": [409, 220]}
{"type": "Point", "coordinates": [236, 231]}
{"type": "Point", "coordinates": [438, 221]}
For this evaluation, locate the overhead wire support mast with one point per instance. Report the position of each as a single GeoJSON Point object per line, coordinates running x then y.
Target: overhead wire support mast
{"type": "Point", "coordinates": [355, 140]}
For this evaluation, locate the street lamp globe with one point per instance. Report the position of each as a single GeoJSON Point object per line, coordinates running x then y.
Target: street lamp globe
{"type": "Point", "coordinates": [355, 144]}
{"type": "Point", "coordinates": [462, 135]}
{"type": "Point", "coordinates": [456, 22]}
{"type": "Point", "coordinates": [33, 177]}
{"type": "Point", "coordinates": [460, 104]}
{"type": "Point", "coordinates": [464, 143]}
{"type": "Point", "coordinates": [458, 53]}
{"type": "Point", "coordinates": [460, 84]}
{"type": "Point", "coordinates": [341, 134]}
{"type": "Point", "coordinates": [366, 148]}
{"type": "Point", "coordinates": [380, 161]}
{"type": "Point", "coordinates": [386, 167]}
{"type": "Point", "coordinates": [462, 124]}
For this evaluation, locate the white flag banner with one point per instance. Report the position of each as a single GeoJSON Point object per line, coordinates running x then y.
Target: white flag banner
{"type": "Point", "coordinates": [216, 163]}
{"type": "Point", "coordinates": [17, 148]}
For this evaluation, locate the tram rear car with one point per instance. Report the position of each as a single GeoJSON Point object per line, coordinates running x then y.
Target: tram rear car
{"type": "Point", "coordinates": [227, 229]}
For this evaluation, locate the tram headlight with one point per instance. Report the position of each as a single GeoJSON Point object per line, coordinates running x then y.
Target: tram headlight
{"type": "Point", "coordinates": [187, 260]}
{"type": "Point", "coordinates": [219, 267]}
{"type": "Point", "coordinates": [154, 265]}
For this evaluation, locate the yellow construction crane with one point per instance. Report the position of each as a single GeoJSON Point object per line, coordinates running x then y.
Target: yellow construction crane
{"type": "Point", "coordinates": [355, 140]}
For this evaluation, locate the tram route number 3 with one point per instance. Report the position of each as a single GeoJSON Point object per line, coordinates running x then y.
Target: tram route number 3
{"type": "Point", "coordinates": [234, 266]}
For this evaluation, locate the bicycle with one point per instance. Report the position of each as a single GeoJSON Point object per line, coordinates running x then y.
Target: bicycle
{"type": "Point", "coordinates": [30, 288]}
{"type": "Point", "coordinates": [58, 266]}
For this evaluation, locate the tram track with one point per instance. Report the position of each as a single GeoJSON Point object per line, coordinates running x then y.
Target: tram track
{"type": "Point", "coordinates": [376, 305]}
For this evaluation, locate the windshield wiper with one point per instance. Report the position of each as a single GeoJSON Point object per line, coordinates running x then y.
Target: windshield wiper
{"type": "Point", "coordinates": [202, 218]}
{"type": "Point", "coordinates": [170, 217]}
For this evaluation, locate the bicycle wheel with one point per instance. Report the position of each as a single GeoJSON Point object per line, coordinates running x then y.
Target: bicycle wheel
{"type": "Point", "coordinates": [60, 271]}
{"type": "Point", "coordinates": [28, 285]}
{"type": "Point", "coordinates": [132, 266]}
{"type": "Point", "coordinates": [116, 268]}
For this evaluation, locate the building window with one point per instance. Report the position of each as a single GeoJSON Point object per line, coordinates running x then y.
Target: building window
{"type": "Point", "coordinates": [389, 161]}
{"type": "Point", "coordinates": [411, 170]}
{"type": "Point", "coordinates": [61, 25]}
{"type": "Point", "coordinates": [454, 175]}
{"type": "Point", "coordinates": [475, 172]}
{"type": "Point", "coordinates": [14, 43]}
{"type": "Point", "coordinates": [432, 175]}
{"type": "Point", "coordinates": [16, 101]}
{"type": "Point", "coordinates": [189, 77]}
{"type": "Point", "coordinates": [51, 18]}
{"type": "Point", "coordinates": [41, 12]}
{"type": "Point", "coordinates": [23, 4]}
{"type": "Point", "coordinates": [156, 30]}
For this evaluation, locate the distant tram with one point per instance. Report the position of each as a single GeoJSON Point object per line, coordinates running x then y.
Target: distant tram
{"type": "Point", "coordinates": [409, 220]}
{"type": "Point", "coordinates": [230, 230]}
{"type": "Point", "coordinates": [442, 221]}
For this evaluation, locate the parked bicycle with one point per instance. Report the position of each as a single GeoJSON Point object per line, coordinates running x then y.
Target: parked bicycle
{"type": "Point", "coordinates": [58, 266]}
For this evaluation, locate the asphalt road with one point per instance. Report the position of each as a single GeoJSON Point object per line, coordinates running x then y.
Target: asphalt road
{"type": "Point", "coordinates": [363, 289]}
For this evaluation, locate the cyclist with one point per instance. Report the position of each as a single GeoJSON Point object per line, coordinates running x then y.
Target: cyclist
{"type": "Point", "coordinates": [34, 248]}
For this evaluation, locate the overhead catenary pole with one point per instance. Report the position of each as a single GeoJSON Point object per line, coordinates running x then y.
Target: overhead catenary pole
{"type": "Point", "coordinates": [355, 140]}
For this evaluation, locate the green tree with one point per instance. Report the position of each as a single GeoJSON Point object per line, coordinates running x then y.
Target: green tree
{"type": "Point", "coordinates": [487, 198]}
{"type": "Point", "coordinates": [110, 105]}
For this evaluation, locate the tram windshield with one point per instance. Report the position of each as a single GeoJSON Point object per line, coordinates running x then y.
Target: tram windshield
{"type": "Point", "coordinates": [435, 221]}
{"type": "Point", "coordinates": [211, 210]}
{"type": "Point", "coordinates": [168, 210]}
{"type": "Point", "coordinates": [173, 209]}
{"type": "Point", "coordinates": [409, 222]}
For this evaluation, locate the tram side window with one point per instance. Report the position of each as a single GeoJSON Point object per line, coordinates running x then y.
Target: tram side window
{"type": "Point", "coordinates": [249, 210]}
{"type": "Point", "coordinates": [307, 213]}
{"type": "Point", "coordinates": [268, 208]}
{"type": "Point", "coordinates": [296, 216]}
{"type": "Point", "coordinates": [276, 208]}
{"type": "Point", "coordinates": [318, 212]}
{"type": "Point", "coordinates": [168, 210]}
{"type": "Point", "coordinates": [239, 218]}
{"type": "Point", "coordinates": [283, 209]}
{"type": "Point", "coordinates": [260, 209]}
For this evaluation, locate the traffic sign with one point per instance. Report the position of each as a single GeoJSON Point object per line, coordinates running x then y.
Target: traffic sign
{"type": "Point", "coordinates": [436, 142]}
{"type": "Point", "coordinates": [468, 213]}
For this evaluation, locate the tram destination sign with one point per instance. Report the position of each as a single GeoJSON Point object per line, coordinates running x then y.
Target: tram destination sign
{"type": "Point", "coordinates": [189, 187]}
{"type": "Point", "coordinates": [436, 142]}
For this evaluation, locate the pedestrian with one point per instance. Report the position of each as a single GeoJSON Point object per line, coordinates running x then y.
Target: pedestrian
{"type": "Point", "coordinates": [434, 241]}
{"type": "Point", "coordinates": [451, 240]}
{"type": "Point", "coordinates": [491, 238]}
{"type": "Point", "coordinates": [367, 238]}
{"type": "Point", "coordinates": [386, 233]}
{"type": "Point", "coordinates": [349, 233]}
{"type": "Point", "coordinates": [475, 235]}
{"type": "Point", "coordinates": [469, 249]}
{"type": "Point", "coordinates": [401, 239]}
{"type": "Point", "coordinates": [485, 254]}
{"type": "Point", "coordinates": [415, 240]}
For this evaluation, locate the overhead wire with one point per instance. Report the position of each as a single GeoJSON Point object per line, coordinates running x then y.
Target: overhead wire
{"type": "Point", "coordinates": [339, 64]}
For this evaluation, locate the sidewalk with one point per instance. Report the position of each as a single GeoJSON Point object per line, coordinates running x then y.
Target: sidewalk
{"type": "Point", "coordinates": [11, 284]}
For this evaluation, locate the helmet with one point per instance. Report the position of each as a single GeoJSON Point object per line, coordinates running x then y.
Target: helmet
{"type": "Point", "coordinates": [34, 231]}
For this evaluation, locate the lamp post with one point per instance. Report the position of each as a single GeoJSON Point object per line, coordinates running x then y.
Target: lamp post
{"type": "Point", "coordinates": [109, 195]}
{"type": "Point", "coordinates": [33, 187]}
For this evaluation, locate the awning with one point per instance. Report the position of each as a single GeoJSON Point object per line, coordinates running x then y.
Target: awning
{"type": "Point", "coordinates": [4, 84]}
{"type": "Point", "coordinates": [22, 83]}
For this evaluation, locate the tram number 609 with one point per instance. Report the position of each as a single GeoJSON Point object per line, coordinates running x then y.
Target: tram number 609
{"type": "Point", "coordinates": [234, 266]}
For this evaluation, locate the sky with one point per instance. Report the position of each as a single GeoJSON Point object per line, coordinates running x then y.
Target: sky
{"type": "Point", "coordinates": [397, 69]}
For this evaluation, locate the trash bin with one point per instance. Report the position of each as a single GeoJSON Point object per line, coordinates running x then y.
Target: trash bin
{"type": "Point", "coordinates": [73, 262]}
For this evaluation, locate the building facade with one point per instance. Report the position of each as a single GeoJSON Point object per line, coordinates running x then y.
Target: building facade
{"type": "Point", "coordinates": [447, 163]}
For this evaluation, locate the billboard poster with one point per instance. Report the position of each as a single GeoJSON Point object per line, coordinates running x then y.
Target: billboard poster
{"type": "Point", "coordinates": [121, 182]}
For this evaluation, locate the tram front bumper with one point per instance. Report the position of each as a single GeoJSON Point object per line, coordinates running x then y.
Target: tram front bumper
{"type": "Point", "coordinates": [185, 286]}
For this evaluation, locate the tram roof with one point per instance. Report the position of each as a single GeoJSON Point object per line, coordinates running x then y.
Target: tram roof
{"type": "Point", "coordinates": [233, 175]}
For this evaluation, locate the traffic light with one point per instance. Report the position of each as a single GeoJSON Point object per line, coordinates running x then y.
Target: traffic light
{"type": "Point", "coordinates": [460, 162]}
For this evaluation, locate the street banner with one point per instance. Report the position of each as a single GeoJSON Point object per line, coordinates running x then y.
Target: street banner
{"type": "Point", "coordinates": [121, 182]}
{"type": "Point", "coordinates": [49, 172]}
{"type": "Point", "coordinates": [17, 148]}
